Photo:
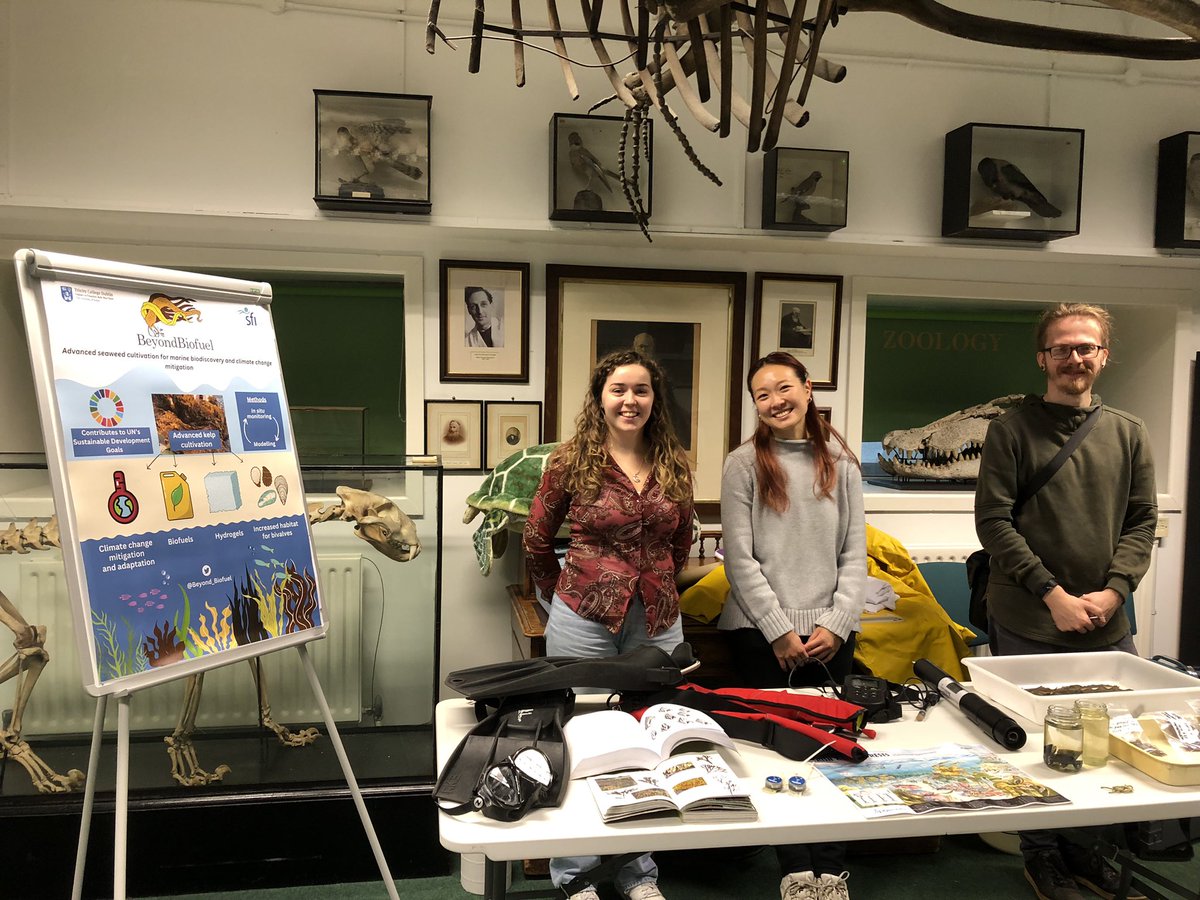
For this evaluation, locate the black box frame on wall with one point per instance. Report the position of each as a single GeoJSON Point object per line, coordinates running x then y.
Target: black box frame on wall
{"type": "Point", "coordinates": [1012, 182]}
{"type": "Point", "coordinates": [585, 184]}
{"type": "Point", "coordinates": [1177, 212]}
{"type": "Point", "coordinates": [805, 190]}
{"type": "Point", "coordinates": [372, 152]}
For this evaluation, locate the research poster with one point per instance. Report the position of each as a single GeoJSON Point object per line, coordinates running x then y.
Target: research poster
{"type": "Point", "coordinates": [185, 488]}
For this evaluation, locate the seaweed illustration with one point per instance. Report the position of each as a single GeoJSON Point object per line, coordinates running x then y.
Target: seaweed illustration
{"type": "Point", "coordinates": [299, 599]}
{"type": "Point", "coordinates": [182, 624]}
{"type": "Point", "coordinates": [163, 647]}
{"type": "Point", "coordinates": [246, 610]}
{"type": "Point", "coordinates": [116, 659]}
{"type": "Point", "coordinates": [290, 600]}
{"type": "Point", "coordinates": [212, 637]}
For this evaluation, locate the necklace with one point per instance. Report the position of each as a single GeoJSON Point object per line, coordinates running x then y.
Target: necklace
{"type": "Point", "coordinates": [635, 477]}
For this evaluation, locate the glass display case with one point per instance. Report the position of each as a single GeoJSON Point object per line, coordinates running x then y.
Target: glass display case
{"type": "Point", "coordinates": [805, 190]}
{"type": "Point", "coordinates": [1010, 182]}
{"type": "Point", "coordinates": [1177, 211]}
{"type": "Point", "coordinates": [378, 665]}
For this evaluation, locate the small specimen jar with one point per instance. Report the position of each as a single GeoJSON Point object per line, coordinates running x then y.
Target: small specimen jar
{"type": "Point", "coordinates": [1062, 745]}
{"type": "Point", "coordinates": [1093, 715]}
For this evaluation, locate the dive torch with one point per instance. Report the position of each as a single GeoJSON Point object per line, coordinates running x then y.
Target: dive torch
{"type": "Point", "coordinates": [991, 721]}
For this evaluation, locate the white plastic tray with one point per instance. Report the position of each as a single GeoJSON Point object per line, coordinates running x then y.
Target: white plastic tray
{"type": "Point", "coordinates": [1004, 679]}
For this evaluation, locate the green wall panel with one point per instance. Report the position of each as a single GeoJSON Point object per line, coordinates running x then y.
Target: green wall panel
{"type": "Point", "coordinates": [925, 361]}
{"type": "Point", "coordinates": [342, 344]}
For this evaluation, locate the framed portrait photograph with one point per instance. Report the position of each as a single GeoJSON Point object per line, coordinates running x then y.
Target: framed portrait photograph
{"type": "Point", "coordinates": [510, 425]}
{"type": "Point", "coordinates": [801, 314]}
{"type": "Point", "coordinates": [585, 180]}
{"type": "Point", "coordinates": [372, 152]}
{"type": "Point", "coordinates": [690, 322]}
{"type": "Point", "coordinates": [484, 321]}
{"type": "Point", "coordinates": [805, 190]}
{"type": "Point", "coordinates": [454, 431]}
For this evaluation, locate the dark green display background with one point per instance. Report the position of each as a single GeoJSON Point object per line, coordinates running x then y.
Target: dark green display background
{"type": "Point", "coordinates": [342, 344]}
{"type": "Point", "coordinates": [925, 362]}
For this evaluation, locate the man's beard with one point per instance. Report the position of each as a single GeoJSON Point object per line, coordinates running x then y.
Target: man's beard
{"type": "Point", "coordinates": [1077, 383]}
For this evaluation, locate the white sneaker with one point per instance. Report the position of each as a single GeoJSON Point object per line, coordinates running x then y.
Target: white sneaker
{"type": "Point", "coordinates": [798, 886]}
{"type": "Point", "coordinates": [647, 890]}
{"type": "Point", "coordinates": [833, 887]}
{"type": "Point", "coordinates": [588, 893]}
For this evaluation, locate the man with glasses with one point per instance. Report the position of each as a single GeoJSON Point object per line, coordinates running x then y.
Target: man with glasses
{"type": "Point", "coordinates": [1065, 563]}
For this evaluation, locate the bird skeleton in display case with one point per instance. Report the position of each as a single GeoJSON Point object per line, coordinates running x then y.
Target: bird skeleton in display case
{"type": "Point", "coordinates": [688, 46]}
{"type": "Point", "coordinates": [377, 520]}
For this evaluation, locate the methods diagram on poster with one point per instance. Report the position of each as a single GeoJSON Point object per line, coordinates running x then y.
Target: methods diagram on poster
{"type": "Point", "coordinates": [176, 481]}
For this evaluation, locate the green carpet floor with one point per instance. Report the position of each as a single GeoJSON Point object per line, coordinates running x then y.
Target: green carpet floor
{"type": "Point", "coordinates": [962, 867]}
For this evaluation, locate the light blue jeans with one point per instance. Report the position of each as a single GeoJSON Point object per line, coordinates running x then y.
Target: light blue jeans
{"type": "Point", "coordinates": [569, 634]}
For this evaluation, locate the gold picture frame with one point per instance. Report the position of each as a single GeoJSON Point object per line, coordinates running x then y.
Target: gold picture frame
{"type": "Point", "coordinates": [454, 431]}
{"type": "Point", "coordinates": [510, 425]}
{"type": "Point", "coordinates": [588, 308]}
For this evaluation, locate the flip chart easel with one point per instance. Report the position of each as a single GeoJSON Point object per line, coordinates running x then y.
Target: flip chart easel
{"type": "Point", "coordinates": [172, 462]}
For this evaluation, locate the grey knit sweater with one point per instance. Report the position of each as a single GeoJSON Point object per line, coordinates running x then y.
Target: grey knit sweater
{"type": "Point", "coordinates": [799, 569]}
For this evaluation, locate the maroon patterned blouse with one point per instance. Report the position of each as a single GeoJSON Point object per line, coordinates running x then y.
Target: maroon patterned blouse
{"type": "Point", "coordinates": [624, 544]}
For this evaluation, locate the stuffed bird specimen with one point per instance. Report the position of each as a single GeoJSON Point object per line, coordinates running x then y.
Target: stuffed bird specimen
{"type": "Point", "coordinates": [585, 165]}
{"type": "Point", "coordinates": [798, 195]}
{"type": "Point", "coordinates": [1009, 183]}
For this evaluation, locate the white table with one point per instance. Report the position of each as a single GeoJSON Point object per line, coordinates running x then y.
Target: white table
{"type": "Point", "coordinates": [823, 813]}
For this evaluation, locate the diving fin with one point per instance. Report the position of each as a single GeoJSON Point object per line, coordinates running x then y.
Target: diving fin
{"type": "Point", "coordinates": [518, 723]}
{"type": "Point", "coordinates": [647, 668]}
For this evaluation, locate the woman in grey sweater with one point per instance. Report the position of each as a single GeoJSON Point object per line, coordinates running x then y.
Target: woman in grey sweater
{"type": "Point", "coordinates": [796, 557]}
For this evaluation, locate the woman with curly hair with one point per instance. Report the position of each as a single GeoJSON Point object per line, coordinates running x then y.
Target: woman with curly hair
{"type": "Point", "coordinates": [623, 487]}
{"type": "Point", "coordinates": [796, 555]}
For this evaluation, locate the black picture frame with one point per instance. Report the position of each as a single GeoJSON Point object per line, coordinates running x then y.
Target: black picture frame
{"type": "Point", "coordinates": [1177, 207]}
{"type": "Point", "coordinates": [586, 174]}
{"type": "Point", "coordinates": [372, 152]}
{"type": "Point", "coordinates": [816, 302]}
{"type": "Point", "coordinates": [1012, 182]}
{"type": "Point", "coordinates": [465, 357]}
{"type": "Point", "coordinates": [805, 190]}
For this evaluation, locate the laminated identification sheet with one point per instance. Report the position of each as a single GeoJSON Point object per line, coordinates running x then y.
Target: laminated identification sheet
{"type": "Point", "coordinates": [177, 465]}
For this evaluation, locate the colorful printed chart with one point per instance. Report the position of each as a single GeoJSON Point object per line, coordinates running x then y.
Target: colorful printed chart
{"type": "Point", "coordinates": [166, 404]}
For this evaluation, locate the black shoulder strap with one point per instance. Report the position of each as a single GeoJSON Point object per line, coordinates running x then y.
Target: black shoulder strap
{"type": "Point", "coordinates": [1048, 470]}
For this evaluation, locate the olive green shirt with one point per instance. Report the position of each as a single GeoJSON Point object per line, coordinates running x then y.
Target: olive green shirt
{"type": "Point", "coordinates": [1091, 526]}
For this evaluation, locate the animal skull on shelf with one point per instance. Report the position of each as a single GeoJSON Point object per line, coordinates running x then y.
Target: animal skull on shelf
{"type": "Point", "coordinates": [946, 449]}
{"type": "Point", "coordinates": [377, 520]}
{"type": "Point", "coordinates": [687, 46]}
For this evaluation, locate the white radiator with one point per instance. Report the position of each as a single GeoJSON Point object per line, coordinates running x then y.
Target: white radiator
{"type": "Point", "coordinates": [59, 704]}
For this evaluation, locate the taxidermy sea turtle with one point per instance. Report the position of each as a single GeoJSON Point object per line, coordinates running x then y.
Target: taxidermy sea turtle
{"type": "Point", "coordinates": [506, 492]}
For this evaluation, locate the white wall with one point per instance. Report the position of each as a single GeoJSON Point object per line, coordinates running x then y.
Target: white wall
{"type": "Point", "coordinates": [177, 131]}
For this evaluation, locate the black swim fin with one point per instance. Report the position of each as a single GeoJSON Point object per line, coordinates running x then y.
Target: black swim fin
{"type": "Point", "coordinates": [519, 722]}
{"type": "Point", "coordinates": [644, 669]}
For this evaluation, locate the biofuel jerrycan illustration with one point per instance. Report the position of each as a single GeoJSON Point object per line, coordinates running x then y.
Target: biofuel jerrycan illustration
{"type": "Point", "coordinates": [177, 495]}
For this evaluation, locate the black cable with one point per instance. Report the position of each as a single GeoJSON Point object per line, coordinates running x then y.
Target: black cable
{"type": "Point", "coordinates": [920, 696]}
{"type": "Point", "coordinates": [378, 635]}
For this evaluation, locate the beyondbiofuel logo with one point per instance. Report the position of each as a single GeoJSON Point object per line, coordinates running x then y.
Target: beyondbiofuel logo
{"type": "Point", "coordinates": [162, 310]}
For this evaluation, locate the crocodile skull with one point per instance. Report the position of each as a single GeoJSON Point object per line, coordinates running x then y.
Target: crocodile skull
{"type": "Point", "coordinates": [946, 449]}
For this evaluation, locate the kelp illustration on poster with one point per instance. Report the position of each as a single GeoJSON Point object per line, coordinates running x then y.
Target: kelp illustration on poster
{"type": "Point", "coordinates": [186, 542]}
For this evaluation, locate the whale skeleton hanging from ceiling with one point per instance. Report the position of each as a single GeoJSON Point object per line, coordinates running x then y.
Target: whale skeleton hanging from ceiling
{"type": "Point", "coordinates": [687, 46]}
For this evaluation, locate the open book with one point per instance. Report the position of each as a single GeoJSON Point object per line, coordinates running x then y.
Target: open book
{"type": "Point", "coordinates": [700, 787]}
{"type": "Point", "coordinates": [610, 739]}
